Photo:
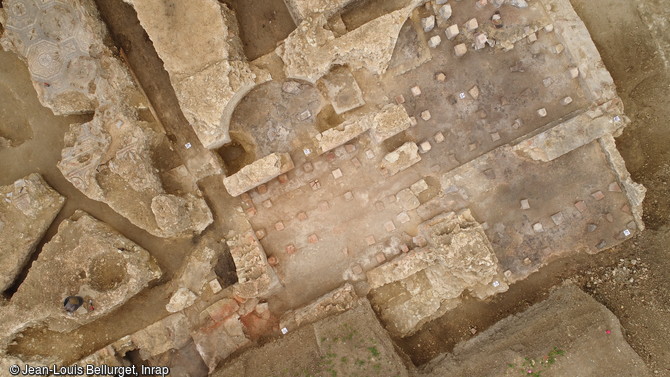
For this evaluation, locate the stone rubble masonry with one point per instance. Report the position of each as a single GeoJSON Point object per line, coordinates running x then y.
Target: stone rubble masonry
{"type": "Point", "coordinates": [337, 301]}
{"type": "Point", "coordinates": [572, 133]}
{"type": "Point", "coordinates": [300, 9]}
{"type": "Point", "coordinates": [109, 159]}
{"type": "Point", "coordinates": [210, 75]}
{"type": "Point", "coordinates": [72, 69]}
{"type": "Point", "coordinates": [27, 208]}
{"type": "Point", "coordinates": [458, 257]}
{"type": "Point", "coordinates": [86, 258]}
{"type": "Point", "coordinates": [172, 332]}
{"type": "Point", "coordinates": [219, 339]}
{"type": "Point", "coordinates": [255, 277]}
{"type": "Point", "coordinates": [634, 192]}
{"type": "Point", "coordinates": [402, 158]}
{"type": "Point", "coordinates": [311, 50]}
{"type": "Point", "coordinates": [257, 173]}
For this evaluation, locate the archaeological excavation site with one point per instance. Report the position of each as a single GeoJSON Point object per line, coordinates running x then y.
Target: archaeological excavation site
{"type": "Point", "coordinates": [280, 188]}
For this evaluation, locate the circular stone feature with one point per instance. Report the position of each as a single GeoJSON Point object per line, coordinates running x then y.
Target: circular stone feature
{"type": "Point", "coordinates": [44, 60]}
{"type": "Point", "coordinates": [107, 271]}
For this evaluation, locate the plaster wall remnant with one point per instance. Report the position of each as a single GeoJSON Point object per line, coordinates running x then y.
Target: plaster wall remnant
{"type": "Point", "coordinates": [390, 121]}
{"type": "Point", "coordinates": [85, 258]}
{"type": "Point", "coordinates": [332, 303]}
{"type": "Point", "coordinates": [62, 42]}
{"type": "Point", "coordinates": [210, 75]}
{"type": "Point", "coordinates": [256, 278]}
{"type": "Point", "coordinates": [606, 119]}
{"type": "Point", "coordinates": [402, 158]}
{"type": "Point", "coordinates": [258, 172]}
{"type": "Point", "coordinates": [311, 50]}
{"type": "Point", "coordinates": [109, 159]}
{"type": "Point", "coordinates": [27, 208]}
{"type": "Point", "coordinates": [300, 9]}
{"type": "Point", "coordinates": [426, 282]}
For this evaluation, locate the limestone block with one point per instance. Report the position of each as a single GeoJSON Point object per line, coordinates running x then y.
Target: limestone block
{"type": "Point", "coordinates": [109, 159]}
{"type": "Point", "coordinates": [342, 90]}
{"type": "Point", "coordinates": [180, 300]}
{"type": "Point", "coordinates": [72, 69]}
{"type": "Point", "coordinates": [452, 31]}
{"type": "Point", "coordinates": [428, 23]}
{"type": "Point", "coordinates": [210, 75]}
{"type": "Point", "coordinates": [445, 12]}
{"type": "Point", "coordinates": [458, 257]}
{"type": "Point", "coordinates": [402, 158]}
{"type": "Point", "coordinates": [573, 133]}
{"type": "Point", "coordinates": [311, 50]}
{"type": "Point", "coordinates": [171, 332]}
{"type": "Point", "coordinates": [434, 41]}
{"type": "Point", "coordinates": [216, 341]}
{"type": "Point", "coordinates": [300, 9]}
{"type": "Point", "coordinates": [258, 172]}
{"type": "Point", "coordinates": [89, 259]}
{"type": "Point", "coordinates": [337, 301]}
{"type": "Point", "coordinates": [27, 208]}
{"type": "Point", "coordinates": [340, 135]}
{"type": "Point", "coordinates": [390, 121]}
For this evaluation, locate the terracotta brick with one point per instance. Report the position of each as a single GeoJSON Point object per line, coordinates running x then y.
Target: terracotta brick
{"type": "Point", "coordinates": [356, 162]}
{"type": "Point", "coordinates": [370, 240]}
{"type": "Point", "coordinates": [302, 216]}
{"type": "Point", "coordinates": [581, 206]}
{"type": "Point", "coordinates": [380, 257]}
{"type": "Point", "coordinates": [399, 99]}
{"type": "Point", "coordinates": [279, 226]}
{"type": "Point", "coordinates": [260, 234]}
{"type": "Point", "coordinates": [313, 238]}
{"type": "Point", "coordinates": [404, 248]}
{"type": "Point", "coordinates": [350, 148]}
{"type": "Point", "coordinates": [290, 249]}
{"type": "Point", "coordinates": [262, 189]}
{"type": "Point", "coordinates": [251, 211]}
{"type": "Point", "coordinates": [348, 196]}
{"type": "Point", "coordinates": [267, 203]}
{"type": "Point", "coordinates": [625, 208]}
{"type": "Point", "coordinates": [315, 184]}
{"type": "Point", "coordinates": [389, 226]}
{"type": "Point", "coordinates": [282, 178]}
{"type": "Point", "coordinates": [273, 261]}
{"type": "Point", "coordinates": [598, 195]}
{"type": "Point", "coordinates": [246, 197]}
{"type": "Point", "coordinates": [357, 269]}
